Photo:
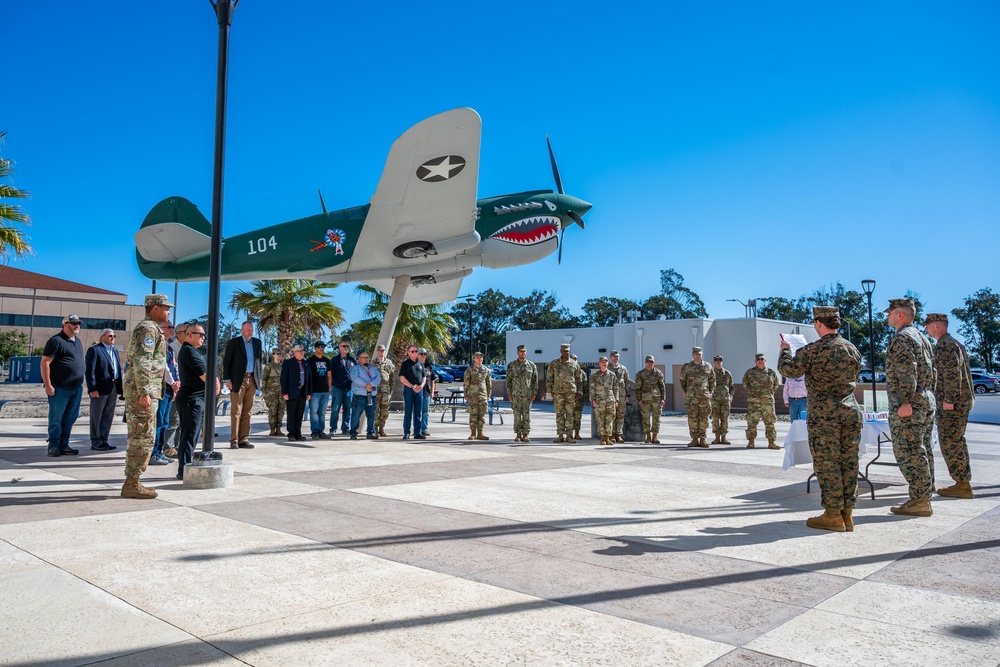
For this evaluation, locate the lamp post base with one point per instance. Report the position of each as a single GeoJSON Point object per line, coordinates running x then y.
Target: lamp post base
{"type": "Point", "coordinates": [215, 476]}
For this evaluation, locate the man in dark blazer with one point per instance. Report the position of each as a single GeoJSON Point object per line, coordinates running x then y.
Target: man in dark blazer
{"type": "Point", "coordinates": [296, 389]}
{"type": "Point", "coordinates": [103, 372]}
{"type": "Point", "coordinates": [242, 365]}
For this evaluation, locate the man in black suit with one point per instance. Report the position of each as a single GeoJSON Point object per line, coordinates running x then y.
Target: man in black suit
{"type": "Point", "coordinates": [103, 372]}
{"type": "Point", "coordinates": [242, 365]}
{"type": "Point", "coordinates": [296, 389]}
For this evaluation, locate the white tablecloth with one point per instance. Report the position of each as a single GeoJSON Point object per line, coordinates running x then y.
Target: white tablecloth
{"type": "Point", "coordinates": [797, 442]}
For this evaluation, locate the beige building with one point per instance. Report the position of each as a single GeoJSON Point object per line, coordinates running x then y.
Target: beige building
{"type": "Point", "coordinates": [36, 304]}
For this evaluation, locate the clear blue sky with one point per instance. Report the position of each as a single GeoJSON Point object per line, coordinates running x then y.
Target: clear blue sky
{"type": "Point", "coordinates": [760, 149]}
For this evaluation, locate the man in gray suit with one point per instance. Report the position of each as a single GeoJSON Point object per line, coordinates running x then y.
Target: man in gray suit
{"type": "Point", "coordinates": [104, 384]}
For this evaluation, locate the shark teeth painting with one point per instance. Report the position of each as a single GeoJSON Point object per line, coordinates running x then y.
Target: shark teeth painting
{"type": "Point", "coordinates": [529, 231]}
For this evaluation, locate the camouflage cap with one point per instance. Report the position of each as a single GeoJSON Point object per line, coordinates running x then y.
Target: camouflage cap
{"type": "Point", "coordinates": [759, 356]}
{"type": "Point", "coordinates": [477, 354]}
{"type": "Point", "coordinates": [614, 353]}
{"type": "Point", "coordinates": [906, 302]}
{"type": "Point", "coordinates": [602, 359]}
{"type": "Point", "coordinates": [935, 317]}
{"type": "Point", "coordinates": [649, 358]}
{"type": "Point", "coordinates": [521, 347]}
{"type": "Point", "coordinates": [564, 346]}
{"type": "Point", "coordinates": [718, 357]}
{"type": "Point", "coordinates": [826, 311]}
{"type": "Point", "coordinates": [157, 300]}
{"type": "Point", "coordinates": [695, 350]}
{"type": "Point", "coordinates": [380, 347]}
{"type": "Point", "coordinates": [276, 350]}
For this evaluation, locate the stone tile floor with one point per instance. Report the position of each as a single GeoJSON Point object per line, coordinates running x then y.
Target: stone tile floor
{"type": "Point", "coordinates": [451, 552]}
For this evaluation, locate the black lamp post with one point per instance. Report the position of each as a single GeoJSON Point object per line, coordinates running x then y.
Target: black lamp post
{"type": "Point", "coordinates": [869, 286]}
{"type": "Point", "coordinates": [470, 301]}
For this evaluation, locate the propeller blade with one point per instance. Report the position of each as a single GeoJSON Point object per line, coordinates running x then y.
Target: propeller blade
{"type": "Point", "coordinates": [576, 218]}
{"type": "Point", "coordinates": [561, 235]}
{"type": "Point", "coordinates": [555, 168]}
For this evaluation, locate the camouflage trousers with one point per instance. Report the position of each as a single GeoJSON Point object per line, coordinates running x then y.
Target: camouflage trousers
{"type": "Point", "coordinates": [578, 412]}
{"type": "Point", "coordinates": [382, 401]}
{"type": "Point", "coordinates": [834, 438]}
{"type": "Point", "coordinates": [756, 412]}
{"type": "Point", "coordinates": [564, 405]}
{"type": "Point", "coordinates": [650, 413]}
{"type": "Point", "coordinates": [619, 416]}
{"type": "Point", "coordinates": [698, 410]}
{"type": "Point", "coordinates": [951, 434]}
{"type": "Point", "coordinates": [720, 417]}
{"type": "Point", "coordinates": [521, 405]}
{"type": "Point", "coordinates": [141, 435]}
{"type": "Point", "coordinates": [911, 445]}
{"type": "Point", "coordinates": [605, 413]}
{"type": "Point", "coordinates": [477, 407]}
{"type": "Point", "coordinates": [275, 411]}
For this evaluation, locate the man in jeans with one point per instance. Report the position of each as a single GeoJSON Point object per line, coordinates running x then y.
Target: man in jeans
{"type": "Point", "coordinates": [795, 397]}
{"type": "Point", "coordinates": [63, 369]}
{"type": "Point", "coordinates": [411, 374]}
{"type": "Point", "coordinates": [340, 388]}
{"type": "Point", "coordinates": [428, 393]}
{"type": "Point", "coordinates": [319, 368]}
{"type": "Point", "coordinates": [365, 379]}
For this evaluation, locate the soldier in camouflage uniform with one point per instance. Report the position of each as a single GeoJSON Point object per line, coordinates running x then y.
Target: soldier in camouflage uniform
{"type": "Point", "coordinates": [582, 392]}
{"type": "Point", "coordinates": [722, 399]}
{"type": "Point", "coordinates": [623, 386]}
{"type": "Point", "coordinates": [522, 385]}
{"type": "Point", "coordinates": [954, 394]}
{"type": "Point", "coordinates": [831, 366]}
{"type": "Point", "coordinates": [650, 391]}
{"type": "Point", "coordinates": [560, 381]}
{"type": "Point", "coordinates": [760, 383]}
{"type": "Point", "coordinates": [697, 383]}
{"type": "Point", "coordinates": [478, 385]}
{"type": "Point", "coordinates": [604, 392]}
{"type": "Point", "coordinates": [143, 388]}
{"type": "Point", "coordinates": [383, 398]}
{"type": "Point", "coordinates": [270, 387]}
{"type": "Point", "coordinates": [909, 371]}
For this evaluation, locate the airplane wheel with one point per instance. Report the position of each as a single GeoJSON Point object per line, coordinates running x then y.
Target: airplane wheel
{"type": "Point", "coordinates": [413, 250]}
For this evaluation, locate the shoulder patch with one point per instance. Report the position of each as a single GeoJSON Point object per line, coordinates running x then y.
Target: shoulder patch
{"type": "Point", "coordinates": [148, 342]}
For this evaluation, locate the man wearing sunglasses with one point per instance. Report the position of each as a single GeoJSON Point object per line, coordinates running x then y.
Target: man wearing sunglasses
{"type": "Point", "coordinates": [104, 385]}
{"type": "Point", "coordinates": [340, 388]}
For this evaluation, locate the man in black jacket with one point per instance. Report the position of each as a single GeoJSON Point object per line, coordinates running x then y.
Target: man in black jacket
{"type": "Point", "coordinates": [296, 389]}
{"type": "Point", "coordinates": [104, 385]}
{"type": "Point", "coordinates": [242, 364]}
{"type": "Point", "coordinates": [340, 388]}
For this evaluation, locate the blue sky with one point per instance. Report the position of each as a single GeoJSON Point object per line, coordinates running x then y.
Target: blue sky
{"type": "Point", "coordinates": [760, 149]}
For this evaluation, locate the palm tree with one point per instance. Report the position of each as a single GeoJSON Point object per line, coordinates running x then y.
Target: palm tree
{"type": "Point", "coordinates": [292, 306]}
{"type": "Point", "coordinates": [423, 326]}
{"type": "Point", "coordinates": [13, 242]}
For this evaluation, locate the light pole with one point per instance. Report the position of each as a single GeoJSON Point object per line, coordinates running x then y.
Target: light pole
{"type": "Point", "coordinates": [470, 301]}
{"type": "Point", "coordinates": [749, 308]}
{"type": "Point", "coordinates": [868, 286]}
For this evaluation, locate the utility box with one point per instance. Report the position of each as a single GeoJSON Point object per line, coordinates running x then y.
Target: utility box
{"type": "Point", "coordinates": [25, 369]}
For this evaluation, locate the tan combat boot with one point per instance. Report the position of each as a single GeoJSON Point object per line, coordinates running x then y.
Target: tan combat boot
{"type": "Point", "coordinates": [569, 439]}
{"type": "Point", "coordinates": [724, 441]}
{"type": "Point", "coordinates": [717, 440]}
{"type": "Point", "coordinates": [559, 438]}
{"type": "Point", "coordinates": [481, 436]}
{"type": "Point", "coordinates": [694, 442]}
{"type": "Point", "coordinates": [750, 445]}
{"type": "Point", "coordinates": [619, 438]}
{"type": "Point", "coordinates": [472, 434]}
{"type": "Point", "coordinates": [959, 490]}
{"type": "Point", "coordinates": [772, 445]}
{"type": "Point", "coordinates": [133, 489]}
{"type": "Point", "coordinates": [517, 437]}
{"type": "Point", "coordinates": [653, 438]}
{"type": "Point", "coordinates": [702, 443]}
{"type": "Point", "coordinates": [576, 435]}
{"type": "Point", "coordinates": [828, 520]}
{"type": "Point", "coordinates": [848, 519]}
{"type": "Point", "coordinates": [525, 438]}
{"type": "Point", "coordinates": [608, 441]}
{"type": "Point", "coordinates": [279, 433]}
{"type": "Point", "coordinates": [647, 438]}
{"type": "Point", "coordinates": [913, 508]}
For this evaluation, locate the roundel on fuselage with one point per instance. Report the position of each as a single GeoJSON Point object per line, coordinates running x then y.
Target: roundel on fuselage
{"type": "Point", "coordinates": [441, 168]}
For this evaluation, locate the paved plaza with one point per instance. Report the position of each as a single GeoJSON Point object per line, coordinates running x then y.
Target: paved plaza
{"type": "Point", "coordinates": [451, 552]}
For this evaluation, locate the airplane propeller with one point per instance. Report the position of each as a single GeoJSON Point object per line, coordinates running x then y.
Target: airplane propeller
{"type": "Point", "coordinates": [573, 215]}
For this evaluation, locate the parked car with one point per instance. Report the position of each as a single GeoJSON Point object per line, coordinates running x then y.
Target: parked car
{"type": "Point", "coordinates": [443, 375]}
{"type": "Point", "coordinates": [500, 375]}
{"type": "Point", "coordinates": [866, 377]}
{"type": "Point", "coordinates": [983, 383]}
{"type": "Point", "coordinates": [458, 371]}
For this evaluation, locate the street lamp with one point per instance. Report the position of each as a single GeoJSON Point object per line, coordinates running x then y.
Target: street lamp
{"type": "Point", "coordinates": [749, 308]}
{"type": "Point", "coordinates": [470, 301]}
{"type": "Point", "coordinates": [868, 286]}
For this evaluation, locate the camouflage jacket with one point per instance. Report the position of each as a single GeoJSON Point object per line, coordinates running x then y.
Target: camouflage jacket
{"type": "Point", "coordinates": [147, 357]}
{"type": "Point", "coordinates": [623, 379]}
{"type": "Point", "coordinates": [697, 380]}
{"type": "Point", "coordinates": [650, 386]}
{"type": "Point", "coordinates": [760, 385]}
{"type": "Point", "coordinates": [522, 378]}
{"type": "Point", "coordinates": [954, 379]}
{"type": "Point", "coordinates": [388, 371]}
{"type": "Point", "coordinates": [604, 386]}
{"type": "Point", "coordinates": [561, 376]}
{"type": "Point", "coordinates": [270, 380]}
{"type": "Point", "coordinates": [909, 369]}
{"type": "Point", "coordinates": [723, 385]}
{"type": "Point", "coordinates": [831, 366]}
{"type": "Point", "coordinates": [582, 383]}
{"type": "Point", "coordinates": [478, 382]}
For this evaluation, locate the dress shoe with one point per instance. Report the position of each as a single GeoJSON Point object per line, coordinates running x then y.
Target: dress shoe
{"type": "Point", "coordinates": [68, 451]}
{"type": "Point", "coordinates": [247, 445]}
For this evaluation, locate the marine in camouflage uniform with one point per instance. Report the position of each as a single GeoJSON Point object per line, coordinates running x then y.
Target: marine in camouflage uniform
{"type": "Point", "coordinates": [143, 388]}
{"type": "Point", "coordinates": [909, 371]}
{"type": "Point", "coordinates": [604, 391]}
{"type": "Point", "coordinates": [560, 381]}
{"type": "Point", "coordinates": [954, 393]}
{"type": "Point", "coordinates": [623, 386]}
{"type": "Point", "coordinates": [478, 385]}
{"type": "Point", "coordinates": [722, 400]}
{"type": "Point", "coordinates": [582, 392]}
{"type": "Point", "coordinates": [270, 387]}
{"type": "Point", "coordinates": [383, 399]}
{"type": "Point", "coordinates": [650, 391]}
{"type": "Point", "coordinates": [697, 382]}
{"type": "Point", "coordinates": [831, 366]}
{"type": "Point", "coordinates": [522, 385]}
{"type": "Point", "coordinates": [760, 384]}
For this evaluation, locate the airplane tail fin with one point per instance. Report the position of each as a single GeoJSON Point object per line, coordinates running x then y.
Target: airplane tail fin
{"type": "Point", "coordinates": [174, 232]}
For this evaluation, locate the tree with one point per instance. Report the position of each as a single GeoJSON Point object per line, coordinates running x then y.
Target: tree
{"type": "Point", "coordinates": [13, 343]}
{"type": "Point", "coordinates": [541, 310]}
{"type": "Point", "coordinates": [424, 326]}
{"type": "Point", "coordinates": [13, 242]}
{"type": "Point", "coordinates": [293, 307]}
{"type": "Point", "coordinates": [688, 304]}
{"type": "Point", "coordinates": [980, 320]}
{"type": "Point", "coordinates": [605, 311]}
{"type": "Point", "coordinates": [492, 316]}
{"type": "Point", "coordinates": [786, 310]}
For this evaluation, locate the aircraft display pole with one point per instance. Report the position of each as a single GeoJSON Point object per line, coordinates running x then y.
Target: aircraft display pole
{"type": "Point", "coordinates": [392, 311]}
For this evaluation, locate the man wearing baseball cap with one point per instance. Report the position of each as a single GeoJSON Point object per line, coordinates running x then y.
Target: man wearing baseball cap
{"type": "Point", "coordinates": [63, 369]}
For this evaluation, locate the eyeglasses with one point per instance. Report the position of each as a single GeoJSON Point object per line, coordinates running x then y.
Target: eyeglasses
{"type": "Point", "coordinates": [111, 335]}
{"type": "Point", "coordinates": [197, 333]}
{"type": "Point", "coordinates": [412, 351]}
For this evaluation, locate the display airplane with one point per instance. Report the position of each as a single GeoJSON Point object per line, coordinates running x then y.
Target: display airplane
{"type": "Point", "coordinates": [422, 234]}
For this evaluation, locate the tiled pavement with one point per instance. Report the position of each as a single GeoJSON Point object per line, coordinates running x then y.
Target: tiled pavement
{"type": "Point", "coordinates": [448, 552]}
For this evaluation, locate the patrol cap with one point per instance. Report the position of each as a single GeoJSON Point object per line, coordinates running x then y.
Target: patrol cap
{"type": "Point", "coordinates": [380, 347]}
{"type": "Point", "coordinates": [935, 317]}
{"type": "Point", "coordinates": [276, 350]}
{"type": "Point", "coordinates": [602, 359]}
{"type": "Point", "coordinates": [521, 347]}
{"type": "Point", "coordinates": [649, 358]}
{"type": "Point", "coordinates": [718, 357]}
{"type": "Point", "coordinates": [477, 354]}
{"type": "Point", "coordinates": [158, 300]}
{"type": "Point", "coordinates": [758, 356]}
{"type": "Point", "coordinates": [906, 302]}
{"type": "Point", "coordinates": [826, 311]}
{"type": "Point", "coordinates": [319, 343]}
{"type": "Point", "coordinates": [563, 346]}
{"type": "Point", "coordinates": [695, 350]}
{"type": "Point", "coordinates": [72, 319]}
{"type": "Point", "coordinates": [298, 348]}
{"type": "Point", "coordinates": [423, 350]}
{"type": "Point", "coordinates": [614, 353]}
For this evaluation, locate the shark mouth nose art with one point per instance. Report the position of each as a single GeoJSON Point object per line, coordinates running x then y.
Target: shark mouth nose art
{"type": "Point", "coordinates": [529, 231]}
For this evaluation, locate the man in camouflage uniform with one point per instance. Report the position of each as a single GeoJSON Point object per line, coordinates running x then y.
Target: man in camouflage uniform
{"type": "Point", "coordinates": [650, 391]}
{"type": "Point", "coordinates": [697, 383]}
{"type": "Point", "coordinates": [831, 366]}
{"type": "Point", "coordinates": [147, 358]}
{"type": "Point", "coordinates": [582, 392]}
{"type": "Point", "coordinates": [383, 399]}
{"type": "Point", "coordinates": [760, 383]}
{"type": "Point", "coordinates": [623, 386]}
{"type": "Point", "coordinates": [722, 399]}
{"type": "Point", "coordinates": [909, 371]}
{"type": "Point", "coordinates": [560, 381]}
{"type": "Point", "coordinates": [270, 387]}
{"type": "Point", "coordinates": [954, 394]}
{"type": "Point", "coordinates": [604, 392]}
{"type": "Point", "coordinates": [478, 385]}
{"type": "Point", "coordinates": [522, 385]}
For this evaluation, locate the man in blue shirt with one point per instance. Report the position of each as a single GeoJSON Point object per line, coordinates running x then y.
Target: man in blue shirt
{"type": "Point", "coordinates": [365, 380]}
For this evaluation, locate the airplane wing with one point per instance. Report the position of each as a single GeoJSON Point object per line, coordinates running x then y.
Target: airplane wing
{"type": "Point", "coordinates": [171, 242]}
{"type": "Point", "coordinates": [441, 289]}
{"type": "Point", "coordinates": [424, 208]}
